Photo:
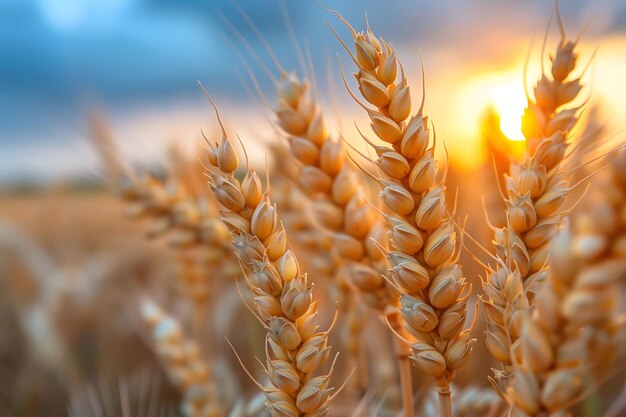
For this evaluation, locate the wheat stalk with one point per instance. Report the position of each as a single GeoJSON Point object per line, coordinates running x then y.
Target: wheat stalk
{"type": "Point", "coordinates": [183, 363]}
{"type": "Point", "coordinates": [425, 261]}
{"type": "Point", "coordinates": [536, 189]}
{"type": "Point", "coordinates": [471, 401]}
{"type": "Point", "coordinates": [295, 348]}
{"type": "Point", "coordinates": [252, 407]}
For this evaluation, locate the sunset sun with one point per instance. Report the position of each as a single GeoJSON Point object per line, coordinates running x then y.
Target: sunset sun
{"type": "Point", "coordinates": [509, 101]}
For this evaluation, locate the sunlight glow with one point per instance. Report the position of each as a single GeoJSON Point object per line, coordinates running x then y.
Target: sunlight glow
{"type": "Point", "coordinates": [504, 92]}
{"type": "Point", "coordinates": [475, 92]}
{"type": "Point", "coordinates": [509, 101]}
{"type": "Point", "coordinates": [463, 97]}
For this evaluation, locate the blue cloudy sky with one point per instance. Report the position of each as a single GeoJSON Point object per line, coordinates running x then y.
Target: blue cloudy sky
{"type": "Point", "coordinates": [59, 58]}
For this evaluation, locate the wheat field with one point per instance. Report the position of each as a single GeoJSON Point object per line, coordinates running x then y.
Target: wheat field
{"type": "Point", "coordinates": [356, 248]}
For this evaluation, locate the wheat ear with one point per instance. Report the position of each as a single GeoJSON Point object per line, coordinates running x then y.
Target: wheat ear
{"type": "Point", "coordinates": [292, 203]}
{"type": "Point", "coordinates": [295, 348]}
{"type": "Point", "coordinates": [191, 220]}
{"type": "Point", "coordinates": [424, 256]}
{"type": "Point", "coordinates": [183, 363]}
{"type": "Point", "coordinates": [338, 203]}
{"type": "Point", "coordinates": [102, 139]}
{"type": "Point", "coordinates": [536, 189]}
{"type": "Point", "coordinates": [177, 207]}
{"type": "Point", "coordinates": [336, 186]}
{"type": "Point", "coordinates": [603, 230]}
{"type": "Point", "coordinates": [201, 240]}
{"type": "Point", "coordinates": [571, 332]}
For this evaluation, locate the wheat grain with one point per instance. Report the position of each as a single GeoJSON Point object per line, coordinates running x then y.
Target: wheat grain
{"type": "Point", "coordinates": [479, 402]}
{"type": "Point", "coordinates": [424, 259]}
{"type": "Point", "coordinates": [295, 348]}
{"type": "Point", "coordinates": [183, 363]}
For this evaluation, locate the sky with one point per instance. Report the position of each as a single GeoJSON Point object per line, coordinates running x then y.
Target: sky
{"type": "Point", "coordinates": [137, 61]}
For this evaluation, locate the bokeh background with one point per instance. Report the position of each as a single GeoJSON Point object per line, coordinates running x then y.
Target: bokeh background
{"type": "Point", "coordinates": [138, 62]}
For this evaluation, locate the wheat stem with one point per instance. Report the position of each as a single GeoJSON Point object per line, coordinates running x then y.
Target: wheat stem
{"type": "Point", "coordinates": [403, 355]}
{"type": "Point", "coordinates": [405, 379]}
{"type": "Point", "coordinates": [445, 399]}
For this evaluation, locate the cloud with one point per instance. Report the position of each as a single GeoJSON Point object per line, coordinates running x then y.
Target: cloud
{"type": "Point", "coordinates": [55, 56]}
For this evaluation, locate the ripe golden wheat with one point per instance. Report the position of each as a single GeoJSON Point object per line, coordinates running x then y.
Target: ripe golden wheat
{"type": "Point", "coordinates": [295, 348]}
{"type": "Point", "coordinates": [552, 297]}
{"type": "Point", "coordinates": [536, 189]}
{"type": "Point", "coordinates": [340, 208]}
{"type": "Point", "coordinates": [424, 252]}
